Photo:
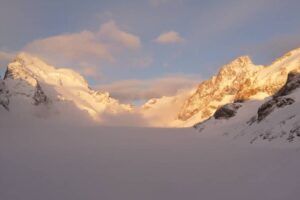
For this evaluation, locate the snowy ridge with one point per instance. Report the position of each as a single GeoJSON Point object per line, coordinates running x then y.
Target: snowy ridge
{"type": "Point", "coordinates": [29, 78]}
{"type": "Point", "coordinates": [238, 81]}
{"type": "Point", "coordinates": [269, 119]}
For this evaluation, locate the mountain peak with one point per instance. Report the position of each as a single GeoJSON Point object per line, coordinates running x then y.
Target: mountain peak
{"type": "Point", "coordinates": [27, 60]}
{"type": "Point", "coordinates": [29, 77]}
{"type": "Point", "coordinates": [26, 65]}
{"type": "Point", "coordinates": [241, 61]}
{"type": "Point", "coordinates": [237, 64]}
{"type": "Point", "coordinates": [238, 80]}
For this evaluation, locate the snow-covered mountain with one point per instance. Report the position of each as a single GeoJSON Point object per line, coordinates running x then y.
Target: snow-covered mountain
{"type": "Point", "coordinates": [238, 81]}
{"type": "Point", "coordinates": [30, 85]}
{"type": "Point", "coordinates": [274, 117]}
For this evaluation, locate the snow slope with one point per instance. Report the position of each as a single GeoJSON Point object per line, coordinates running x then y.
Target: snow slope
{"type": "Point", "coordinates": [74, 163]}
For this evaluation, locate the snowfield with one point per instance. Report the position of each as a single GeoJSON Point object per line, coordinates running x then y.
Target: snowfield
{"type": "Point", "coordinates": [47, 162]}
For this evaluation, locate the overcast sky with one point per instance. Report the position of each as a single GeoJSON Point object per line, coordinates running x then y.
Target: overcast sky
{"type": "Point", "coordinates": [114, 41]}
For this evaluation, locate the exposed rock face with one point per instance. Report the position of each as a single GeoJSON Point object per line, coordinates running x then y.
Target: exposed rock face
{"type": "Point", "coordinates": [279, 100]}
{"type": "Point", "coordinates": [293, 82]}
{"type": "Point", "coordinates": [4, 95]}
{"type": "Point", "coordinates": [271, 105]}
{"type": "Point", "coordinates": [221, 88]}
{"type": "Point", "coordinates": [39, 96]}
{"type": "Point", "coordinates": [295, 130]}
{"type": "Point", "coordinates": [227, 111]}
{"type": "Point", "coordinates": [238, 81]}
{"type": "Point", "coordinates": [24, 82]}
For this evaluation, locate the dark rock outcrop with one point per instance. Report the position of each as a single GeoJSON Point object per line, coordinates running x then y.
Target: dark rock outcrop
{"type": "Point", "coordinates": [227, 111]}
{"type": "Point", "coordinates": [292, 83]}
{"type": "Point", "coordinates": [39, 96]}
{"type": "Point", "coordinates": [279, 100]}
{"type": "Point", "coordinates": [4, 95]}
{"type": "Point", "coordinates": [268, 107]}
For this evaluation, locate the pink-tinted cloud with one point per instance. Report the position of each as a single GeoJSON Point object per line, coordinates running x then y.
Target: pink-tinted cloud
{"type": "Point", "coordinates": [75, 46]}
{"type": "Point", "coordinates": [91, 48]}
{"type": "Point", "coordinates": [132, 90]}
{"type": "Point", "coordinates": [89, 70]}
{"type": "Point", "coordinates": [169, 37]}
{"type": "Point", "coordinates": [113, 33]}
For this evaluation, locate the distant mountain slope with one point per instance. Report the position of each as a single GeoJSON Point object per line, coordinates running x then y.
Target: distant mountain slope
{"type": "Point", "coordinates": [30, 82]}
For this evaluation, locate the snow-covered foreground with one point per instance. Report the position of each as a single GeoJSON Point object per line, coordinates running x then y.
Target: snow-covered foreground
{"type": "Point", "coordinates": [97, 163]}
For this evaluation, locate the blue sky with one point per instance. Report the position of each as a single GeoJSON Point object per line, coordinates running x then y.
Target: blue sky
{"type": "Point", "coordinates": [115, 41]}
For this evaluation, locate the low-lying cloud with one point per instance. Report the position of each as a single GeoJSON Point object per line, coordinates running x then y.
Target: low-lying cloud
{"type": "Point", "coordinates": [142, 90]}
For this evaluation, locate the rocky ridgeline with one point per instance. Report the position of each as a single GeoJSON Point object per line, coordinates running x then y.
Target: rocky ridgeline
{"type": "Point", "coordinates": [285, 126]}
{"type": "Point", "coordinates": [30, 80]}
{"type": "Point", "coordinates": [238, 81]}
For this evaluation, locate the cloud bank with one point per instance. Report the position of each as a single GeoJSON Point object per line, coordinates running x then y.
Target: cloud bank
{"type": "Point", "coordinates": [142, 90]}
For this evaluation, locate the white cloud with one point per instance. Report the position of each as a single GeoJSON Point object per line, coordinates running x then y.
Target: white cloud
{"type": "Point", "coordinates": [169, 38]}
{"type": "Point", "coordinates": [113, 33]}
{"type": "Point", "coordinates": [133, 90]}
{"type": "Point", "coordinates": [75, 46]}
{"type": "Point", "coordinates": [88, 47]}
